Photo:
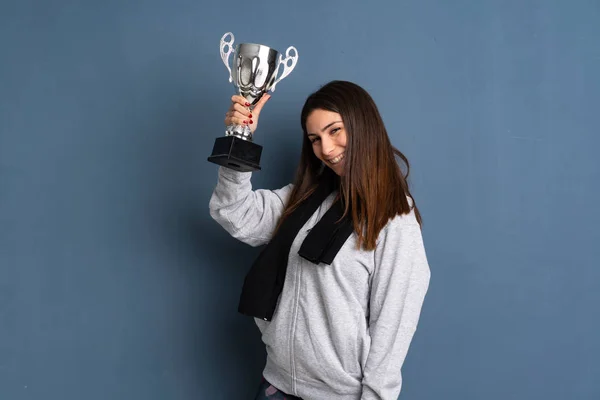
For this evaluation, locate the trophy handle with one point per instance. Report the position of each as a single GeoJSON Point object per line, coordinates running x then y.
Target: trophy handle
{"type": "Point", "coordinates": [286, 69]}
{"type": "Point", "coordinates": [225, 55]}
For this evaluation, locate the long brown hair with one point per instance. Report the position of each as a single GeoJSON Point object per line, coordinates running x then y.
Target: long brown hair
{"type": "Point", "coordinates": [373, 187]}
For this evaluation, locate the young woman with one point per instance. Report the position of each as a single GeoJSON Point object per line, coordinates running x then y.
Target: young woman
{"type": "Point", "coordinates": [338, 290]}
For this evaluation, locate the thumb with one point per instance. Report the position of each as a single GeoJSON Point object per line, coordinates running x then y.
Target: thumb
{"type": "Point", "coordinates": [261, 103]}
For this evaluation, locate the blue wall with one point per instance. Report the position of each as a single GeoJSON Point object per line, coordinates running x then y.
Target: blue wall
{"type": "Point", "coordinates": [116, 284]}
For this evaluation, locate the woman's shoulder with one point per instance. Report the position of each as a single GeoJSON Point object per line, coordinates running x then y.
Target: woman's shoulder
{"type": "Point", "coordinates": [409, 218]}
{"type": "Point", "coordinates": [401, 224]}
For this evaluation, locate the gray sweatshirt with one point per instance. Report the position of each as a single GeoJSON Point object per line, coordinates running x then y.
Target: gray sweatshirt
{"type": "Point", "coordinates": [340, 331]}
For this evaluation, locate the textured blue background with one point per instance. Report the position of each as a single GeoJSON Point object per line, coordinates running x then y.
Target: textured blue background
{"type": "Point", "coordinates": [116, 284]}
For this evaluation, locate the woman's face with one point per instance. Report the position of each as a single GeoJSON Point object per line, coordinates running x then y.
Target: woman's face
{"type": "Point", "coordinates": [326, 132]}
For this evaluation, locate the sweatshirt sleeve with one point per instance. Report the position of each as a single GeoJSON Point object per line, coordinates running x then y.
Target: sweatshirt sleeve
{"type": "Point", "coordinates": [399, 284]}
{"type": "Point", "coordinates": [248, 215]}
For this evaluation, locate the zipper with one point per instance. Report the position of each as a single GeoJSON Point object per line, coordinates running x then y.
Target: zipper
{"type": "Point", "coordinates": [293, 328]}
{"type": "Point", "coordinates": [297, 280]}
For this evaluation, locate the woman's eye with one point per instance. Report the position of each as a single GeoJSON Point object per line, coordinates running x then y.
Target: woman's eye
{"type": "Point", "coordinates": [334, 131]}
{"type": "Point", "coordinates": [314, 140]}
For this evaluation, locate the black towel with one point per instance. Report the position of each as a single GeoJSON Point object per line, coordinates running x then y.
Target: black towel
{"type": "Point", "coordinates": [264, 281]}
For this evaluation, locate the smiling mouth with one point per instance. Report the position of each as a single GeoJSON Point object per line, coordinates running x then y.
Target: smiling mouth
{"type": "Point", "coordinates": [337, 159]}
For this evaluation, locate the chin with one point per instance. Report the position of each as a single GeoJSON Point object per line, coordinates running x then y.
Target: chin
{"type": "Point", "coordinates": [339, 170]}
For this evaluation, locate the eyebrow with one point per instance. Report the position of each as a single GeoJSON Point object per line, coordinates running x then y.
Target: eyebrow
{"type": "Point", "coordinates": [324, 128]}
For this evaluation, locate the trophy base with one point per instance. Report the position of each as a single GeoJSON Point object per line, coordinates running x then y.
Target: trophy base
{"type": "Point", "coordinates": [237, 154]}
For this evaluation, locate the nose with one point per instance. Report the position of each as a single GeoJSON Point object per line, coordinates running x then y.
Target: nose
{"type": "Point", "coordinates": [327, 146]}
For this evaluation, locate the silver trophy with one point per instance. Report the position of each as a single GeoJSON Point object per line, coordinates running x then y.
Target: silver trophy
{"type": "Point", "coordinates": [254, 72]}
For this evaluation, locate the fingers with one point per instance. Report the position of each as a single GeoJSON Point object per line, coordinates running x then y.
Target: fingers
{"type": "Point", "coordinates": [240, 109]}
{"type": "Point", "coordinates": [237, 99]}
{"type": "Point", "coordinates": [239, 113]}
{"type": "Point", "coordinates": [237, 118]}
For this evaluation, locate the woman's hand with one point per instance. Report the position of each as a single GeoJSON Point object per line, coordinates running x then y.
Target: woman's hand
{"type": "Point", "coordinates": [239, 112]}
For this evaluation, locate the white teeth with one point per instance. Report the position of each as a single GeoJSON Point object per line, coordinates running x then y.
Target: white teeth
{"type": "Point", "coordinates": [337, 159]}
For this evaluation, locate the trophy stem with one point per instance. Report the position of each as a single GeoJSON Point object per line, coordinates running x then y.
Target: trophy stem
{"type": "Point", "coordinates": [241, 131]}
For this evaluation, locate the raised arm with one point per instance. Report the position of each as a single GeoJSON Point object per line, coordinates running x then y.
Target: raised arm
{"type": "Point", "coordinates": [248, 215]}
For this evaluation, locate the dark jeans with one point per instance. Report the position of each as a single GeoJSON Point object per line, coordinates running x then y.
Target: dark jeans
{"type": "Point", "coordinates": [266, 391]}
